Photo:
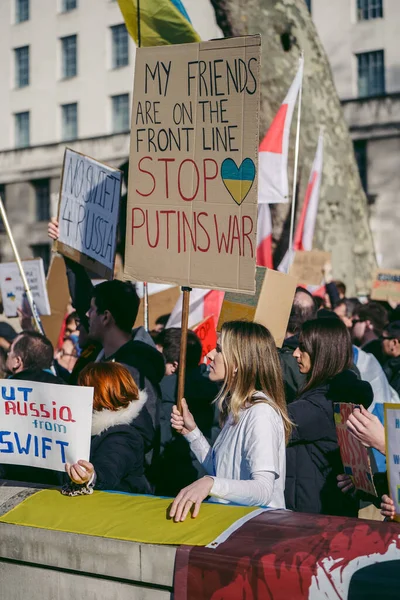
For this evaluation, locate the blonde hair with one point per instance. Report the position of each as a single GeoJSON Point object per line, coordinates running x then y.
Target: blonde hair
{"type": "Point", "coordinates": [251, 365]}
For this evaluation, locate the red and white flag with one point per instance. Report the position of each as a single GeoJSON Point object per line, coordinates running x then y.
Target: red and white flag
{"type": "Point", "coordinates": [203, 303]}
{"type": "Point", "coordinates": [264, 237]}
{"type": "Point", "coordinates": [273, 186]}
{"type": "Point", "coordinates": [304, 234]}
{"type": "Point", "coordinates": [303, 239]}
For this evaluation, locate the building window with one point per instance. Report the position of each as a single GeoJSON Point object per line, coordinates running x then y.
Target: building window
{"type": "Point", "coordinates": [42, 199]}
{"type": "Point", "coordinates": [369, 9]}
{"type": "Point", "coordinates": [308, 2]}
{"type": "Point", "coordinates": [69, 121]}
{"type": "Point", "coordinates": [120, 113]}
{"type": "Point", "coordinates": [42, 251]}
{"type": "Point", "coordinates": [22, 130]}
{"type": "Point", "coordinates": [21, 66]}
{"type": "Point", "coordinates": [69, 56]}
{"type": "Point", "coordinates": [360, 151]}
{"type": "Point", "coordinates": [120, 47]}
{"type": "Point", "coordinates": [68, 5]}
{"type": "Point", "coordinates": [21, 11]}
{"type": "Point", "coordinates": [371, 73]}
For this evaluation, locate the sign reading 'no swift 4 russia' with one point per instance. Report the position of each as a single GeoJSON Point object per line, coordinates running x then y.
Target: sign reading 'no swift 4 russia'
{"type": "Point", "coordinates": [88, 212]}
{"type": "Point", "coordinates": [192, 198]}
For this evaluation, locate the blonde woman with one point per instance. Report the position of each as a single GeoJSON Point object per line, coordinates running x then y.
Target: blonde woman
{"type": "Point", "coordinates": [247, 463]}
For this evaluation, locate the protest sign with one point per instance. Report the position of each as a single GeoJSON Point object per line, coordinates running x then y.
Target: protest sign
{"type": "Point", "coordinates": [44, 425]}
{"type": "Point", "coordinates": [207, 334]}
{"type": "Point", "coordinates": [392, 437]}
{"type": "Point", "coordinates": [386, 285]}
{"type": "Point", "coordinates": [88, 212]}
{"type": "Point", "coordinates": [12, 288]}
{"type": "Point", "coordinates": [193, 166]}
{"type": "Point", "coordinates": [270, 306]}
{"type": "Point", "coordinates": [307, 266]}
{"type": "Point", "coordinates": [58, 292]}
{"type": "Point", "coordinates": [354, 455]}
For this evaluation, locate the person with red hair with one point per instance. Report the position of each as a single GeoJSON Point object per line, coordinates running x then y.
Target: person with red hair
{"type": "Point", "coordinates": [122, 432]}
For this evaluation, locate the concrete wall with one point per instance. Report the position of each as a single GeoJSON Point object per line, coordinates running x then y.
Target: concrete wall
{"type": "Point", "coordinates": [49, 565]}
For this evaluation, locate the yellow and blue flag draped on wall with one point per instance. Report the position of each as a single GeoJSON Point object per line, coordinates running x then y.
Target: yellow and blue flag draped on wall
{"type": "Point", "coordinates": [162, 22]}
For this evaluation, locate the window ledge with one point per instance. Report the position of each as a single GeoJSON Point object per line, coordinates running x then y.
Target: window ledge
{"type": "Point", "coordinates": [67, 78]}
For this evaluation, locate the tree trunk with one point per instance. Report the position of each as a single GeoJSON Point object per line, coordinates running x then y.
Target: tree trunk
{"type": "Point", "coordinates": [342, 224]}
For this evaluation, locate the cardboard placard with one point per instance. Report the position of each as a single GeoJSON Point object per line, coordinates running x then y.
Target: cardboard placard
{"type": "Point", "coordinates": [386, 285]}
{"type": "Point", "coordinates": [270, 306]}
{"type": "Point", "coordinates": [88, 212]}
{"type": "Point", "coordinates": [160, 304]}
{"type": "Point", "coordinates": [207, 334]}
{"type": "Point", "coordinates": [43, 424]}
{"type": "Point", "coordinates": [58, 292]}
{"type": "Point", "coordinates": [193, 166]}
{"type": "Point", "coordinates": [12, 288]}
{"type": "Point", "coordinates": [392, 438]}
{"type": "Point", "coordinates": [307, 266]}
{"type": "Point", "coordinates": [355, 456]}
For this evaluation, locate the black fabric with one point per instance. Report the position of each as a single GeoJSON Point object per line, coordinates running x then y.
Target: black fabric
{"type": "Point", "coordinates": [37, 375]}
{"type": "Point", "coordinates": [147, 367]}
{"type": "Point", "coordinates": [7, 332]}
{"type": "Point", "coordinates": [313, 457]}
{"type": "Point", "coordinates": [118, 456]}
{"type": "Point", "coordinates": [333, 293]}
{"type": "Point", "coordinates": [375, 347]}
{"type": "Point", "coordinates": [80, 289]}
{"type": "Point", "coordinates": [392, 371]}
{"type": "Point", "coordinates": [293, 380]}
{"type": "Point", "coordinates": [88, 355]}
{"type": "Point", "coordinates": [177, 466]}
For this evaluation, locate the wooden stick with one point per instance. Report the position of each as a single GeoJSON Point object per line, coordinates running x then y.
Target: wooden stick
{"type": "Point", "coordinates": [182, 354]}
{"type": "Point", "coordinates": [296, 163]}
{"type": "Point", "coordinates": [146, 305]}
{"type": "Point", "coordinates": [35, 312]}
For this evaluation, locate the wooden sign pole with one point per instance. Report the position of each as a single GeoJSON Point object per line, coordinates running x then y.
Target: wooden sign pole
{"type": "Point", "coordinates": [146, 305]}
{"type": "Point", "coordinates": [35, 312]}
{"type": "Point", "coordinates": [182, 353]}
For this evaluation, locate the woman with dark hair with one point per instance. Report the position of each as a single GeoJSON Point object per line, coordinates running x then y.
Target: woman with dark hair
{"type": "Point", "coordinates": [313, 460]}
{"type": "Point", "coordinates": [122, 432]}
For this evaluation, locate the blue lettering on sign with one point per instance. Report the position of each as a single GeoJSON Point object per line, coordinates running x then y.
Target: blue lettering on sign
{"type": "Point", "coordinates": [4, 393]}
{"type": "Point", "coordinates": [21, 449]}
{"type": "Point", "coordinates": [9, 447]}
{"type": "Point", "coordinates": [396, 459]}
{"type": "Point", "coordinates": [62, 444]}
{"type": "Point", "coordinates": [25, 392]}
{"type": "Point", "coordinates": [397, 423]}
{"type": "Point", "coordinates": [41, 446]}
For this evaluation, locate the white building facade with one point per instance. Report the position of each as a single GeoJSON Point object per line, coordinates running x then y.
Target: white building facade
{"type": "Point", "coordinates": [66, 72]}
{"type": "Point", "coordinates": [362, 43]}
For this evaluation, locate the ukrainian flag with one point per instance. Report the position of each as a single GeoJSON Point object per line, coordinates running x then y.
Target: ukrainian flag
{"type": "Point", "coordinates": [162, 22]}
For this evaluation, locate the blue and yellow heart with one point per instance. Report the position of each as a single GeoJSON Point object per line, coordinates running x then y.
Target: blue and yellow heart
{"type": "Point", "coordinates": [238, 180]}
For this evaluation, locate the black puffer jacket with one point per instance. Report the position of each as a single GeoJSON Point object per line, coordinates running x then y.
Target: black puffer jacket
{"type": "Point", "coordinates": [392, 371]}
{"type": "Point", "coordinates": [119, 442]}
{"type": "Point", "coordinates": [313, 457]}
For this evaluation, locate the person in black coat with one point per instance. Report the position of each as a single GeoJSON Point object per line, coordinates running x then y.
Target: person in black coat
{"type": "Point", "coordinates": [122, 432]}
{"type": "Point", "coordinates": [200, 394]}
{"type": "Point", "coordinates": [324, 355]}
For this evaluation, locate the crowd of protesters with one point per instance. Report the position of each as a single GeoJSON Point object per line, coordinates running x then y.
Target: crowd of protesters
{"type": "Point", "coordinates": [256, 425]}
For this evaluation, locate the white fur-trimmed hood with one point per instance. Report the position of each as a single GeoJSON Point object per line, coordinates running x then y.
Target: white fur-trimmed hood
{"type": "Point", "coordinates": [104, 419]}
